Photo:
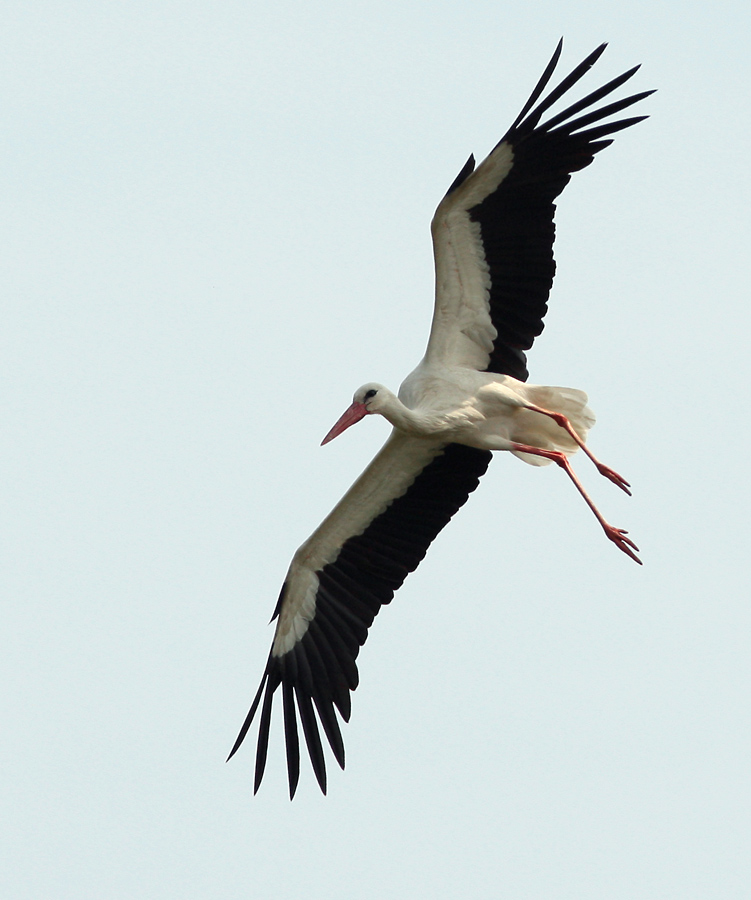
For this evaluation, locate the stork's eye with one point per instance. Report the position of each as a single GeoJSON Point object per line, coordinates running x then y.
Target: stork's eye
{"type": "Point", "coordinates": [370, 394]}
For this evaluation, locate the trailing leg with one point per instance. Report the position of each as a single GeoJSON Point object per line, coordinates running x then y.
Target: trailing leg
{"type": "Point", "coordinates": [616, 535]}
{"type": "Point", "coordinates": [563, 421]}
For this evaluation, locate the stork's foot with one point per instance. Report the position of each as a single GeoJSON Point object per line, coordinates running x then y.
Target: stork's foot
{"type": "Point", "coordinates": [618, 537]}
{"type": "Point", "coordinates": [613, 476]}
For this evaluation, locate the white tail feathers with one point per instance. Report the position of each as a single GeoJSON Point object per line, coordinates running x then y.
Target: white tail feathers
{"type": "Point", "coordinates": [541, 431]}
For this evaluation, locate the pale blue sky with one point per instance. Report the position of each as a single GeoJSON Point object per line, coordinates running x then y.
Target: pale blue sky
{"type": "Point", "coordinates": [215, 228]}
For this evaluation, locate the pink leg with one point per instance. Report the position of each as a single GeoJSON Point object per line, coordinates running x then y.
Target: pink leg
{"type": "Point", "coordinates": [601, 467]}
{"type": "Point", "coordinates": [616, 535]}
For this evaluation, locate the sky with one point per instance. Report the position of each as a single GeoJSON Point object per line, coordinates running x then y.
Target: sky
{"type": "Point", "coordinates": [215, 228]}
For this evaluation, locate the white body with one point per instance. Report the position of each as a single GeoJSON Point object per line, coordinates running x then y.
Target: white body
{"type": "Point", "coordinates": [488, 411]}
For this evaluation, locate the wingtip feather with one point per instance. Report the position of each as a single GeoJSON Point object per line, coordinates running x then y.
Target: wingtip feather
{"type": "Point", "coordinates": [249, 718]}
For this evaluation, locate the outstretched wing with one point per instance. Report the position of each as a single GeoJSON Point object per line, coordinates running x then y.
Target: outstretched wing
{"type": "Point", "coordinates": [340, 578]}
{"type": "Point", "coordinates": [493, 232]}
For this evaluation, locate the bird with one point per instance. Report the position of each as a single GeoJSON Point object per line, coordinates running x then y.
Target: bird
{"type": "Point", "coordinates": [493, 236]}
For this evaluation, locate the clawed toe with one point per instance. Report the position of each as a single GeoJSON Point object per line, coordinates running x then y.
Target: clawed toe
{"type": "Point", "coordinates": [618, 537]}
{"type": "Point", "coordinates": [613, 476]}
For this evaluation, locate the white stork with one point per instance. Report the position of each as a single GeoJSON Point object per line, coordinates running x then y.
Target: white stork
{"type": "Point", "coordinates": [493, 242]}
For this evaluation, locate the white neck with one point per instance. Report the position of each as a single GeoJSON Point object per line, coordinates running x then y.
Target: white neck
{"type": "Point", "coordinates": [406, 419]}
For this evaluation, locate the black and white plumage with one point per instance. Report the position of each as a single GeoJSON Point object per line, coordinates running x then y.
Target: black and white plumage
{"type": "Point", "coordinates": [493, 241]}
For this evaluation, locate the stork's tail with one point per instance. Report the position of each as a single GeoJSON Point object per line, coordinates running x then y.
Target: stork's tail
{"type": "Point", "coordinates": [541, 431]}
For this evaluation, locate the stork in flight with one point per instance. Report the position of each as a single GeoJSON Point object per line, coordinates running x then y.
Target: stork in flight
{"type": "Point", "coordinates": [493, 242]}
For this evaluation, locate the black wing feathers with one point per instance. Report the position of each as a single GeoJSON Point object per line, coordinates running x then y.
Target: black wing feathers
{"type": "Point", "coordinates": [467, 170]}
{"type": "Point", "coordinates": [516, 220]}
{"type": "Point", "coordinates": [541, 84]}
{"type": "Point", "coordinates": [320, 670]}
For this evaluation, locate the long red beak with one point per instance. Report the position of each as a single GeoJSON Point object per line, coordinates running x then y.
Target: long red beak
{"type": "Point", "coordinates": [356, 412]}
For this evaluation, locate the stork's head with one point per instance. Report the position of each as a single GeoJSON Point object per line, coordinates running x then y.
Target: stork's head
{"type": "Point", "coordinates": [370, 398]}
